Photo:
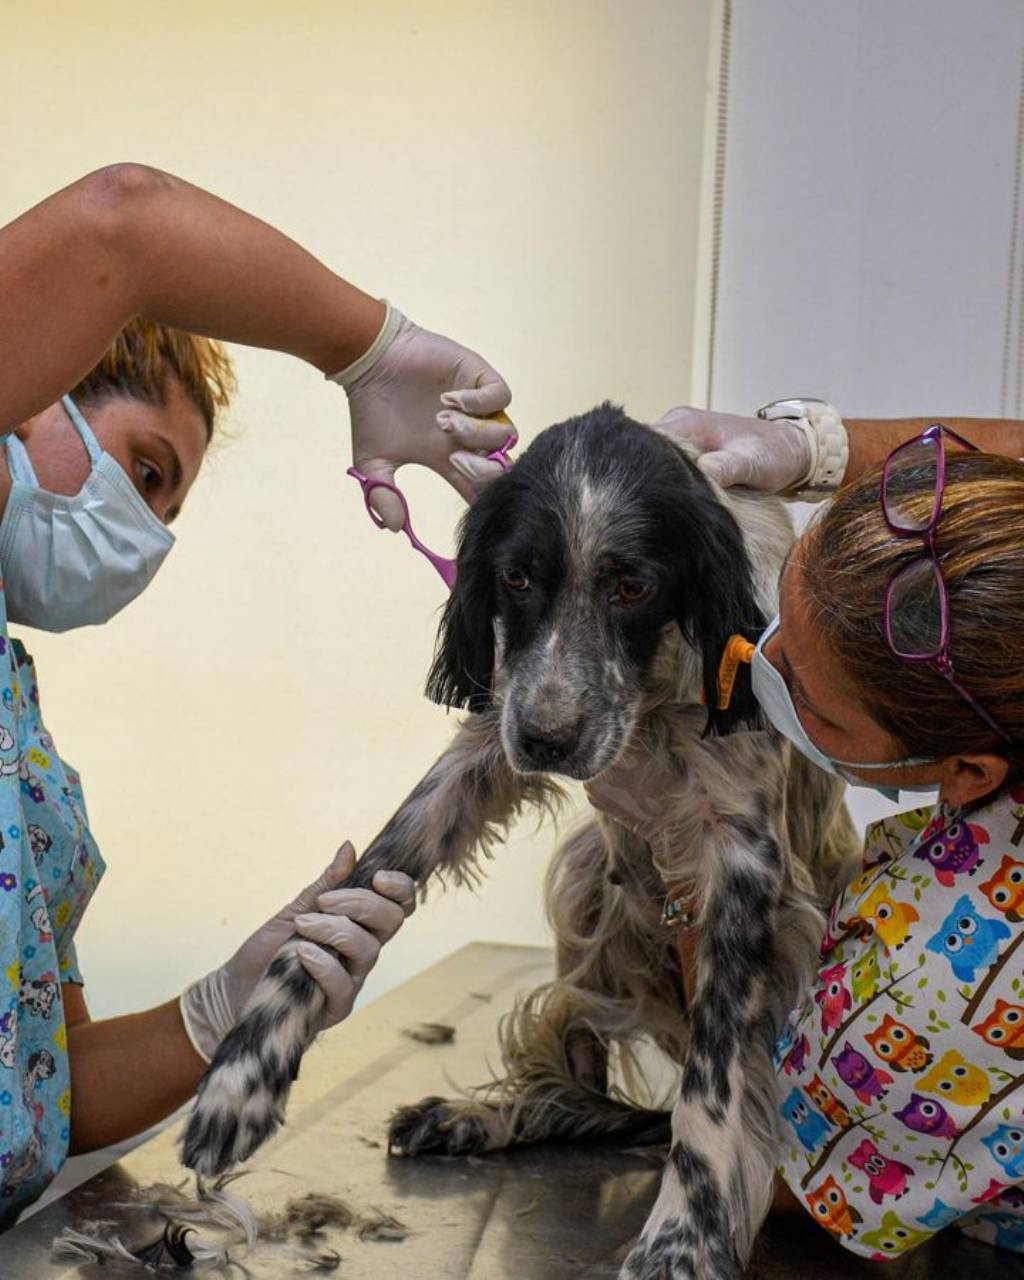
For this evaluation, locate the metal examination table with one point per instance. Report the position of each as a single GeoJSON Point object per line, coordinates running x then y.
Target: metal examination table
{"type": "Point", "coordinates": [542, 1213]}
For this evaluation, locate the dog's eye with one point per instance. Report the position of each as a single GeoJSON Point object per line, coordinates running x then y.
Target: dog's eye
{"type": "Point", "coordinates": [631, 591]}
{"type": "Point", "coordinates": [515, 579]}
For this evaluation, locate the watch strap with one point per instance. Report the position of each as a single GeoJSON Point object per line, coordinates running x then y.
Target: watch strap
{"type": "Point", "coordinates": [823, 428]}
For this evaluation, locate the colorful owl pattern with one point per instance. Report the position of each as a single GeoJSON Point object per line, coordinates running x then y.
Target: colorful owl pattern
{"type": "Point", "coordinates": [49, 870]}
{"type": "Point", "coordinates": [901, 1077]}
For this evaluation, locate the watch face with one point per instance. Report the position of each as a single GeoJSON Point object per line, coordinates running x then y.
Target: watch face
{"type": "Point", "coordinates": [793, 407]}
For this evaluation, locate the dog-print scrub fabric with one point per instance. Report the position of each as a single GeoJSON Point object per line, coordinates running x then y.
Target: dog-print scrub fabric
{"type": "Point", "coordinates": [49, 869]}
{"type": "Point", "coordinates": [901, 1078]}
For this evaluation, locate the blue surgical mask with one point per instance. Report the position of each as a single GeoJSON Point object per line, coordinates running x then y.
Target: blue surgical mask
{"type": "Point", "coordinates": [772, 693]}
{"type": "Point", "coordinates": [76, 561]}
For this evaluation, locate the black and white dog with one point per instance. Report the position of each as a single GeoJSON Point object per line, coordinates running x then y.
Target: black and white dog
{"type": "Point", "coordinates": [598, 583]}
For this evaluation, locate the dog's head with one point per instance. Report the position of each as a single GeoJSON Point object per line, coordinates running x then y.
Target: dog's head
{"type": "Point", "coordinates": [570, 569]}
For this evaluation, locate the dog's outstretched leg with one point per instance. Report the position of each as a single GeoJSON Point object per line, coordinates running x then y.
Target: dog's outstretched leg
{"type": "Point", "coordinates": [717, 1182]}
{"type": "Point", "coordinates": [463, 804]}
{"type": "Point", "coordinates": [611, 969]}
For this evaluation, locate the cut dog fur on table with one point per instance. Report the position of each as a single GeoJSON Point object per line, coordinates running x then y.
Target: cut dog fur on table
{"type": "Point", "coordinates": [598, 584]}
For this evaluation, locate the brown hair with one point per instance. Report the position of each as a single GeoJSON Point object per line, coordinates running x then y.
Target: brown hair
{"type": "Point", "coordinates": [145, 356]}
{"type": "Point", "coordinates": [849, 557]}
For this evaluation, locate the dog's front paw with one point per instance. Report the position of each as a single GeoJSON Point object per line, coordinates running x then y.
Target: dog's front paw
{"type": "Point", "coordinates": [676, 1252]}
{"type": "Point", "coordinates": [436, 1126]}
{"type": "Point", "coordinates": [228, 1123]}
{"type": "Point", "coordinates": [669, 1255]}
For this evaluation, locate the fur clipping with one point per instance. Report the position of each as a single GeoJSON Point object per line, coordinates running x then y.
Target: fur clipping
{"type": "Point", "coordinates": [231, 1229]}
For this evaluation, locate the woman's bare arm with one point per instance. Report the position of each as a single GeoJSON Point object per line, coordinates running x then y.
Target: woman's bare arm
{"type": "Point", "coordinates": [129, 240]}
{"type": "Point", "coordinates": [873, 439]}
{"type": "Point", "coordinates": [127, 1073]}
{"type": "Point", "coordinates": [774, 456]}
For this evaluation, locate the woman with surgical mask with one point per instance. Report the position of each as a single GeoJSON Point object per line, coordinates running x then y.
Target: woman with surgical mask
{"type": "Point", "coordinates": [108, 401]}
{"type": "Point", "coordinates": [897, 661]}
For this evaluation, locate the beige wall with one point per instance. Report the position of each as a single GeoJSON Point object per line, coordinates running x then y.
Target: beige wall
{"type": "Point", "coordinates": [522, 176]}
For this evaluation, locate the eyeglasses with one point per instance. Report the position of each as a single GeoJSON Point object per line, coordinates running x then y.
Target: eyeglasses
{"type": "Point", "coordinates": [916, 610]}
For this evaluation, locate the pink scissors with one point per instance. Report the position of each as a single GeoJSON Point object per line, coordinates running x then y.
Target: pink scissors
{"type": "Point", "coordinates": [444, 566]}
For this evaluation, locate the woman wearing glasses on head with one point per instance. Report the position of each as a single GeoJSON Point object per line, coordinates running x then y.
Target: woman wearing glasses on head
{"type": "Point", "coordinates": [897, 661]}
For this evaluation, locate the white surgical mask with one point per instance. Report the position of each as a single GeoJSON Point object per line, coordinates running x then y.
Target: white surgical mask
{"type": "Point", "coordinates": [76, 561]}
{"type": "Point", "coordinates": [773, 695]}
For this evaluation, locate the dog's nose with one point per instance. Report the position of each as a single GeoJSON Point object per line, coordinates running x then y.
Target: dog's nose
{"type": "Point", "coordinates": [549, 747]}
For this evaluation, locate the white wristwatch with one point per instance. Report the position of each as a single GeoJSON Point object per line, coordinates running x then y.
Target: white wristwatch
{"type": "Point", "coordinates": [826, 437]}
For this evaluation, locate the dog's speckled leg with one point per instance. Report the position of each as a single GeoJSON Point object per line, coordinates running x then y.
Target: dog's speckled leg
{"type": "Point", "coordinates": [460, 808]}
{"type": "Point", "coordinates": [718, 1178]}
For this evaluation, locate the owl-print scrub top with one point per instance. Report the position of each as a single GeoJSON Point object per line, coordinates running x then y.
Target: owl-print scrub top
{"type": "Point", "coordinates": [901, 1077]}
{"type": "Point", "coordinates": [49, 869]}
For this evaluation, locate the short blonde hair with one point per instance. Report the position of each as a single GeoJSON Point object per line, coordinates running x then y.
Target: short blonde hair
{"type": "Point", "coordinates": [145, 356]}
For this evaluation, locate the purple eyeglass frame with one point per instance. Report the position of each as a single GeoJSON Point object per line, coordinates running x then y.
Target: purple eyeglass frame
{"type": "Point", "coordinates": [939, 660]}
{"type": "Point", "coordinates": [444, 566]}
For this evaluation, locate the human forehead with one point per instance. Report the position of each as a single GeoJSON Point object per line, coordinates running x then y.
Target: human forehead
{"type": "Point", "coordinates": [797, 637]}
{"type": "Point", "coordinates": [808, 652]}
{"type": "Point", "coordinates": [176, 422]}
{"type": "Point", "coordinates": [794, 601]}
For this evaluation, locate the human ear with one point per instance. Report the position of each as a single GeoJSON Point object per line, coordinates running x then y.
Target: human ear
{"type": "Point", "coordinates": [964, 779]}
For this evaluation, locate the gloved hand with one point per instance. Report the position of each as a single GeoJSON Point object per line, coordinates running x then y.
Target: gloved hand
{"type": "Point", "coordinates": [771, 456]}
{"type": "Point", "coordinates": [408, 384]}
{"type": "Point", "coordinates": [345, 930]}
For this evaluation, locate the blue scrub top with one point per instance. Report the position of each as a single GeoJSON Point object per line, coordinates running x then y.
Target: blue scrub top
{"type": "Point", "coordinates": [49, 869]}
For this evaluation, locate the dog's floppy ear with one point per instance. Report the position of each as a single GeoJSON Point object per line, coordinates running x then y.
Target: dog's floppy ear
{"type": "Point", "coordinates": [463, 667]}
{"type": "Point", "coordinates": [740, 616]}
{"type": "Point", "coordinates": [719, 603]}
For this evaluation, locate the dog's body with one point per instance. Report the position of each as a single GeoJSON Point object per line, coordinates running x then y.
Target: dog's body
{"type": "Point", "coordinates": [598, 584]}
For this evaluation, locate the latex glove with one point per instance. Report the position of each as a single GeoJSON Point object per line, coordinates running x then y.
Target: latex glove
{"type": "Point", "coordinates": [771, 456]}
{"type": "Point", "coordinates": [410, 383]}
{"type": "Point", "coordinates": [345, 930]}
